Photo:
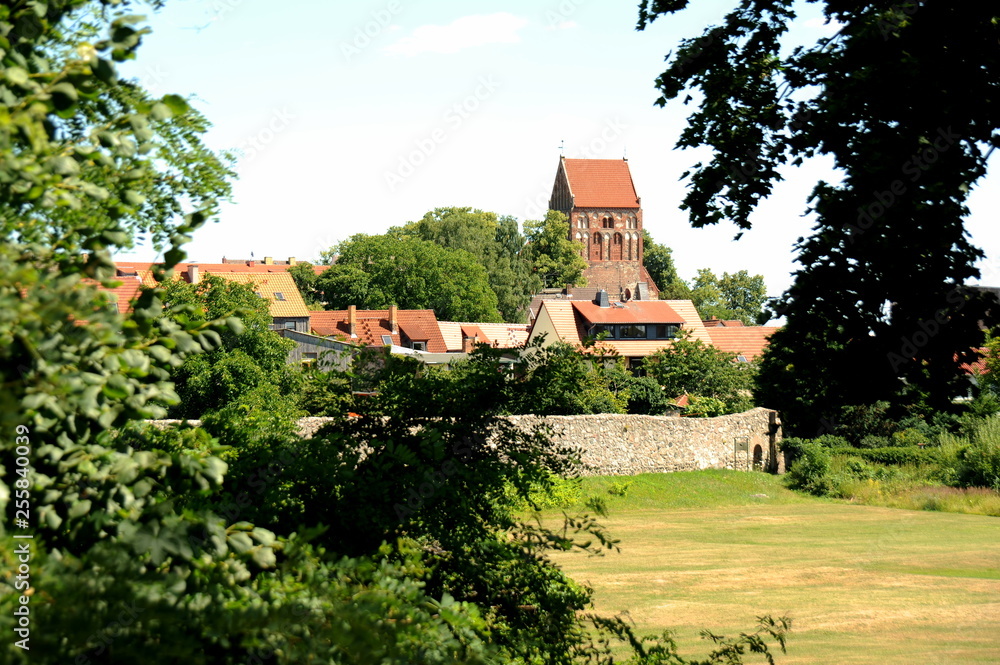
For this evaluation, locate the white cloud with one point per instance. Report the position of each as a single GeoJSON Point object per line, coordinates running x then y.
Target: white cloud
{"type": "Point", "coordinates": [460, 34]}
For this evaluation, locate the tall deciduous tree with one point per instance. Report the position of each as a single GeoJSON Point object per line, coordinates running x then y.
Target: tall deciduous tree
{"type": "Point", "coordinates": [659, 261]}
{"type": "Point", "coordinates": [254, 358]}
{"type": "Point", "coordinates": [733, 296]}
{"type": "Point", "coordinates": [375, 272]}
{"type": "Point", "coordinates": [555, 259]}
{"type": "Point", "coordinates": [904, 98]}
{"type": "Point", "coordinates": [497, 244]}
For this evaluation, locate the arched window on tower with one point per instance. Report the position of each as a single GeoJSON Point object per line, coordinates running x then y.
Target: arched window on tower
{"type": "Point", "coordinates": [597, 248]}
{"type": "Point", "coordinates": [616, 248]}
{"type": "Point", "coordinates": [631, 222]}
{"type": "Point", "coordinates": [608, 222]}
{"type": "Point", "coordinates": [581, 220]}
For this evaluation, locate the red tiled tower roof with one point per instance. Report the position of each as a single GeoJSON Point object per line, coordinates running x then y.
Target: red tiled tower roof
{"type": "Point", "coordinates": [603, 183]}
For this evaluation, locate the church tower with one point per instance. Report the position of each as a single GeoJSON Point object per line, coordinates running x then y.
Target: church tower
{"type": "Point", "coordinates": [598, 197]}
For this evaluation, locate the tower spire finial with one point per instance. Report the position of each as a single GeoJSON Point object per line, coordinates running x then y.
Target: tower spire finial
{"type": "Point", "coordinates": [562, 145]}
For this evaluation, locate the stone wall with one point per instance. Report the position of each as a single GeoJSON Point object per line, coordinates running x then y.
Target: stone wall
{"type": "Point", "coordinates": [611, 444]}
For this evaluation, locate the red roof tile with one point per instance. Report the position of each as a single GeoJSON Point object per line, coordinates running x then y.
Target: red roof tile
{"type": "Point", "coordinates": [601, 183]}
{"type": "Point", "coordinates": [417, 325]}
{"type": "Point", "coordinates": [633, 311]}
{"type": "Point", "coordinates": [747, 341]}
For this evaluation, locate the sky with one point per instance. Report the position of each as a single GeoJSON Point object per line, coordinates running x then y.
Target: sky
{"type": "Point", "coordinates": [355, 117]}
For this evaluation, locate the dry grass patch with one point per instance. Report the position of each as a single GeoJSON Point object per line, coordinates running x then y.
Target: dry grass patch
{"type": "Point", "coordinates": [862, 584]}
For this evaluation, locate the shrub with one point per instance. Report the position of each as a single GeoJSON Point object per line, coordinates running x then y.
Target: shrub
{"type": "Point", "coordinates": [832, 441]}
{"type": "Point", "coordinates": [911, 436]}
{"type": "Point", "coordinates": [981, 461]}
{"type": "Point", "coordinates": [619, 487]}
{"type": "Point", "coordinates": [874, 441]}
{"type": "Point", "coordinates": [892, 455]}
{"type": "Point", "coordinates": [811, 471]}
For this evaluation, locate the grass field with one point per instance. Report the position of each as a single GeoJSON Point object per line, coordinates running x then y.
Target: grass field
{"type": "Point", "coordinates": [862, 584]}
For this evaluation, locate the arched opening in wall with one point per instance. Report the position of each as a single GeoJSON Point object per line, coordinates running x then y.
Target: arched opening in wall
{"type": "Point", "coordinates": [758, 458]}
{"type": "Point", "coordinates": [631, 222]}
{"type": "Point", "coordinates": [597, 248]}
{"type": "Point", "coordinates": [616, 248]}
{"type": "Point", "coordinates": [628, 294]}
{"type": "Point", "coordinates": [581, 221]}
{"type": "Point", "coordinates": [629, 247]}
{"type": "Point", "coordinates": [608, 222]}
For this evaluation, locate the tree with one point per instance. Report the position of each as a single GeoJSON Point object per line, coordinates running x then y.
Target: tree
{"type": "Point", "coordinates": [691, 367]}
{"type": "Point", "coordinates": [305, 280]}
{"type": "Point", "coordinates": [124, 533]}
{"type": "Point", "coordinates": [555, 259]}
{"type": "Point", "coordinates": [737, 296]}
{"type": "Point", "coordinates": [896, 98]}
{"type": "Point", "coordinates": [249, 358]}
{"type": "Point", "coordinates": [659, 261]}
{"type": "Point", "coordinates": [374, 272]}
{"type": "Point", "coordinates": [496, 243]}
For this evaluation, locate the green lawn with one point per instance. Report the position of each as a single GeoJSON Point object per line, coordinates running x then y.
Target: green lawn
{"type": "Point", "coordinates": [861, 584]}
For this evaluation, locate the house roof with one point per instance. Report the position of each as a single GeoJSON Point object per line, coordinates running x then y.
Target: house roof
{"type": "Point", "coordinates": [747, 341]}
{"type": "Point", "coordinates": [122, 295]}
{"type": "Point", "coordinates": [278, 288]}
{"type": "Point", "coordinates": [505, 335]}
{"type": "Point", "coordinates": [978, 366]}
{"type": "Point", "coordinates": [633, 311]}
{"type": "Point", "coordinates": [570, 320]}
{"type": "Point", "coordinates": [601, 183]}
{"type": "Point", "coordinates": [722, 323]}
{"type": "Point", "coordinates": [418, 325]}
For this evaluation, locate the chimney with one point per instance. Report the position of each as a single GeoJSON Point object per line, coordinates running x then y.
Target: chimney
{"type": "Point", "coordinates": [352, 320]}
{"type": "Point", "coordinates": [469, 343]}
{"type": "Point", "coordinates": [193, 275]}
{"type": "Point", "coordinates": [251, 263]}
{"type": "Point", "coordinates": [292, 261]}
{"type": "Point", "coordinates": [269, 260]}
{"type": "Point", "coordinates": [601, 299]}
{"type": "Point", "coordinates": [393, 319]}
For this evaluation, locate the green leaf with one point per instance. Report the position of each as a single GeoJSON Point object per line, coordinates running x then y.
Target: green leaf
{"type": "Point", "coordinates": [16, 75]}
{"type": "Point", "coordinates": [177, 104]}
{"type": "Point", "coordinates": [264, 557]}
{"type": "Point", "coordinates": [64, 96]}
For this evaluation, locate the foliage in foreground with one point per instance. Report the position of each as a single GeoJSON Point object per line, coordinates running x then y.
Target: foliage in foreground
{"type": "Point", "coordinates": [880, 292]}
{"type": "Point", "coordinates": [165, 546]}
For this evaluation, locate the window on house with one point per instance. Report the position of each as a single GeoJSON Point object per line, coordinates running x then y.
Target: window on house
{"type": "Point", "coordinates": [608, 223]}
{"type": "Point", "coordinates": [632, 331]}
{"type": "Point", "coordinates": [278, 295]}
{"type": "Point", "coordinates": [289, 325]}
{"type": "Point", "coordinates": [387, 340]}
{"type": "Point", "coordinates": [419, 346]}
{"type": "Point", "coordinates": [666, 331]}
{"type": "Point", "coordinates": [599, 328]}
{"type": "Point", "coordinates": [742, 359]}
